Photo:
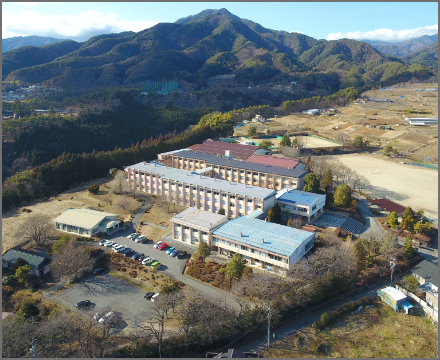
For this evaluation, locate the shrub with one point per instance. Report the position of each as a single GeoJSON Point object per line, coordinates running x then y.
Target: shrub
{"type": "Point", "coordinates": [28, 309]}
{"type": "Point", "coordinates": [124, 269]}
{"type": "Point", "coordinates": [93, 189]}
{"type": "Point", "coordinates": [222, 270]}
{"type": "Point", "coordinates": [83, 238]}
{"type": "Point", "coordinates": [141, 223]}
{"type": "Point", "coordinates": [168, 288]}
{"type": "Point", "coordinates": [23, 210]}
{"type": "Point", "coordinates": [6, 290]}
{"type": "Point", "coordinates": [193, 270]}
{"type": "Point", "coordinates": [197, 276]}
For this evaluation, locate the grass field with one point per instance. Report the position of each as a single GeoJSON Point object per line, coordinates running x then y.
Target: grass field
{"type": "Point", "coordinates": [370, 333]}
{"type": "Point", "coordinates": [407, 184]}
{"type": "Point", "coordinates": [13, 221]}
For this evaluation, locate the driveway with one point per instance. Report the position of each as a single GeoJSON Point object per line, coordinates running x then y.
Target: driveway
{"type": "Point", "coordinates": [107, 290]}
{"type": "Point", "coordinates": [173, 267]}
{"type": "Point", "coordinates": [372, 226]}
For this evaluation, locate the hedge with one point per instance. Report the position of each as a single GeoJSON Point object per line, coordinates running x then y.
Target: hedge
{"type": "Point", "coordinates": [330, 317]}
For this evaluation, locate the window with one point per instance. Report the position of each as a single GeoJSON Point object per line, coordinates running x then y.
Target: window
{"type": "Point", "coordinates": [308, 245]}
{"type": "Point", "coordinates": [186, 187]}
{"type": "Point", "coordinates": [240, 199]}
{"type": "Point", "coordinates": [194, 188]}
{"type": "Point", "coordinates": [216, 194]}
{"type": "Point", "coordinates": [231, 204]}
{"type": "Point", "coordinates": [224, 195]}
{"type": "Point", "coordinates": [244, 247]}
{"type": "Point", "coordinates": [314, 207]}
{"type": "Point", "coordinates": [208, 191]}
{"type": "Point", "coordinates": [232, 197]}
{"type": "Point", "coordinates": [177, 234]}
{"type": "Point", "coordinates": [180, 185]}
{"type": "Point", "coordinates": [249, 200]}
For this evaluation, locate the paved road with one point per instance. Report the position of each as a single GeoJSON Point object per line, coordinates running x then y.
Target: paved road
{"type": "Point", "coordinates": [371, 227]}
{"type": "Point", "coordinates": [311, 317]}
{"type": "Point", "coordinates": [173, 268]}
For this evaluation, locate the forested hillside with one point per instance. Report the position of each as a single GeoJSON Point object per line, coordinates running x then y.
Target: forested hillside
{"type": "Point", "coordinates": [193, 49]}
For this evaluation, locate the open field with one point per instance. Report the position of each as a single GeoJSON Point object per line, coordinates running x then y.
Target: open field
{"type": "Point", "coordinates": [13, 221]}
{"type": "Point", "coordinates": [370, 333]}
{"type": "Point", "coordinates": [408, 185]}
{"type": "Point", "coordinates": [362, 119]}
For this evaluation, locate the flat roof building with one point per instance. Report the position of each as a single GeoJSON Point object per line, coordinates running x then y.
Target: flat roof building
{"type": "Point", "coordinates": [194, 225]}
{"type": "Point", "coordinates": [244, 172]}
{"type": "Point", "coordinates": [192, 189]}
{"type": "Point", "coordinates": [262, 243]}
{"type": "Point", "coordinates": [86, 222]}
{"type": "Point", "coordinates": [302, 203]}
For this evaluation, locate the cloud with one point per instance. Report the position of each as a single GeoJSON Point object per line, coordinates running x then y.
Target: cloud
{"type": "Point", "coordinates": [388, 35]}
{"type": "Point", "coordinates": [79, 27]}
{"type": "Point", "coordinates": [298, 32]}
{"type": "Point", "coordinates": [28, 3]}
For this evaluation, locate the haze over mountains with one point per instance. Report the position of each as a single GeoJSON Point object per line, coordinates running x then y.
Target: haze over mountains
{"type": "Point", "coordinates": [17, 42]}
{"type": "Point", "coordinates": [213, 42]}
{"type": "Point", "coordinates": [403, 48]}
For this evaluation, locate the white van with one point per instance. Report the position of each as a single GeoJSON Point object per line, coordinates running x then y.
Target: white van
{"type": "Point", "coordinates": [154, 297]}
{"type": "Point", "coordinates": [140, 239]}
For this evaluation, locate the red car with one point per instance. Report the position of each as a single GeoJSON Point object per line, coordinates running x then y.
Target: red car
{"type": "Point", "coordinates": [162, 246]}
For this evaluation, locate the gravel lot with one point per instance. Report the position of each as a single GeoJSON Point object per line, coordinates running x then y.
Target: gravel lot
{"type": "Point", "coordinates": [105, 289]}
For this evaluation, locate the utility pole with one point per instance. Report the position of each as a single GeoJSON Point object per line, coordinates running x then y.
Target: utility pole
{"type": "Point", "coordinates": [393, 264]}
{"type": "Point", "coordinates": [268, 327]}
{"type": "Point", "coordinates": [33, 349]}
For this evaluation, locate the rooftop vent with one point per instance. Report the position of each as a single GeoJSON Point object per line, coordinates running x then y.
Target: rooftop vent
{"type": "Point", "coordinates": [262, 241]}
{"type": "Point", "coordinates": [241, 234]}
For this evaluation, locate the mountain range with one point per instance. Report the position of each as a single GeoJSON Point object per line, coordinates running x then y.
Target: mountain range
{"type": "Point", "coordinates": [195, 48]}
{"type": "Point", "coordinates": [20, 41]}
{"type": "Point", "coordinates": [404, 48]}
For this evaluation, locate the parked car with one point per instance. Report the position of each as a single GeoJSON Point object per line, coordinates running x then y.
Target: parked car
{"type": "Point", "coordinates": [148, 260]}
{"type": "Point", "coordinates": [132, 236]}
{"type": "Point", "coordinates": [116, 246]}
{"type": "Point", "coordinates": [158, 244]}
{"type": "Point", "coordinates": [98, 270]}
{"type": "Point", "coordinates": [162, 246]}
{"type": "Point", "coordinates": [83, 304]}
{"type": "Point", "coordinates": [154, 297]}
{"type": "Point", "coordinates": [135, 256]}
{"type": "Point", "coordinates": [174, 252]}
{"type": "Point", "coordinates": [171, 249]}
{"type": "Point", "coordinates": [107, 317]}
{"type": "Point", "coordinates": [128, 252]}
{"type": "Point", "coordinates": [156, 265]}
{"type": "Point", "coordinates": [181, 254]}
{"type": "Point", "coordinates": [101, 312]}
{"type": "Point", "coordinates": [109, 243]}
{"type": "Point", "coordinates": [148, 295]}
{"type": "Point", "coordinates": [141, 257]}
{"type": "Point", "coordinates": [121, 250]}
{"type": "Point", "coordinates": [141, 239]}
{"type": "Point", "coordinates": [103, 243]}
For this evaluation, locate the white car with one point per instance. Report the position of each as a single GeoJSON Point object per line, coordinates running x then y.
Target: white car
{"type": "Point", "coordinates": [103, 242]}
{"type": "Point", "coordinates": [132, 236]}
{"type": "Point", "coordinates": [115, 245]}
{"type": "Point", "coordinates": [109, 243]}
{"type": "Point", "coordinates": [140, 239]}
{"type": "Point", "coordinates": [157, 244]}
{"type": "Point", "coordinates": [119, 247]}
{"type": "Point", "coordinates": [147, 259]}
{"type": "Point", "coordinates": [107, 317]}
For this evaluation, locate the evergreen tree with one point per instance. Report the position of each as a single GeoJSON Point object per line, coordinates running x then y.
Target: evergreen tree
{"type": "Point", "coordinates": [27, 310]}
{"type": "Point", "coordinates": [393, 221]}
{"type": "Point", "coordinates": [308, 162]}
{"type": "Point", "coordinates": [408, 250]}
{"type": "Point", "coordinates": [327, 180]}
{"type": "Point", "coordinates": [271, 215]}
{"type": "Point", "coordinates": [311, 183]}
{"type": "Point", "coordinates": [285, 141]}
{"type": "Point", "coordinates": [203, 249]}
{"type": "Point", "coordinates": [277, 213]}
{"type": "Point", "coordinates": [22, 274]}
{"type": "Point", "coordinates": [235, 267]}
{"type": "Point", "coordinates": [342, 196]}
{"type": "Point", "coordinates": [221, 211]}
{"type": "Point", "coordinates": [290, 222]}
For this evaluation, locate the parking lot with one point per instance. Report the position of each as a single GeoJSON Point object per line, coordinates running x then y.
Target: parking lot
{"type": "Point", "coordinates": [171, 266]}
{"type": "Point", "coordinates": [105, 289]}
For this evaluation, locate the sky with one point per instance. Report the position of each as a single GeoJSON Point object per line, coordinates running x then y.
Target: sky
{"type": "Point", "coordinates": [383, 21]}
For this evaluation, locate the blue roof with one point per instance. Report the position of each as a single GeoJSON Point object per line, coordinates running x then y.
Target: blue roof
{"type": "Point", "coordinates": [278, 239]}
{"type": "Point", "coordinates": [298, 197]}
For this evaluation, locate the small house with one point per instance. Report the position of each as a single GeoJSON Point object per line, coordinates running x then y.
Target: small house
{"type": "Point", "coordinates": [38, 261]}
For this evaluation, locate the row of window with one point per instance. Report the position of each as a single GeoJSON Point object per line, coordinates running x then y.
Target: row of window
{"type": "Point", "coordinates": [217, 241]}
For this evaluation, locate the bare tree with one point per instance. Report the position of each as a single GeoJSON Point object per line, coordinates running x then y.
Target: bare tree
{"type": "Point", "coordinates": [20, 164]}
{"type": "Point", "coordinates": [290, 151]}
{"type": "Point", "coordinates": [16, 337]}
{"type": "Point", "coordinates": [123, 202]}
{"type": "Point", "coordinates": [342, 138]}
{"type": "Point", "coordinates": [37, 228]}
{"type": "Point", "coordinates": [119, 183]}
{"type": "Point", "coordinates": [70, 260]}
{"type": "Point", "coordinates": [389, 246]}
{"type": "Point", "coordinates": [108, 197]}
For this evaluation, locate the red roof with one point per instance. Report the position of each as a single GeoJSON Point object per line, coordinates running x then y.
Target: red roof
{"type": "Point", "coordinates": [238, 151]}
{"type": "Point", "coordinates": [389, 205]}
{"type": "Point", "coordinates": [309, 228]}
{"type": "Point", "coordinates": [274, 161]}
{"type": "Point", "coordinates": [192, 147]}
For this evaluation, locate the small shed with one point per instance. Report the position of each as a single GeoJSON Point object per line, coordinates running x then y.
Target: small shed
{"type": "Point", "coordinates": [395, 298]}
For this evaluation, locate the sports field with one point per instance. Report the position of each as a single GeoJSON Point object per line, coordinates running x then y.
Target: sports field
{"type": "Point", "coordinates": [311, 142]}
{"type": "Point", "coordinates": [406, 184]}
